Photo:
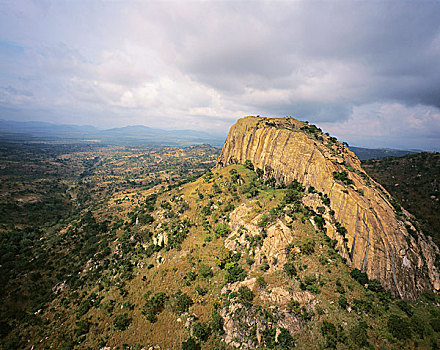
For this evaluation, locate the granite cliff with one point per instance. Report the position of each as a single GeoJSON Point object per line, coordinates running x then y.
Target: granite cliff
{"type": "Point", "coordinates": [373, 232]}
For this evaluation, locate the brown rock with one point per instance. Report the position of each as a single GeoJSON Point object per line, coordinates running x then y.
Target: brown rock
{"type": "Point", "coordinates": [378, 242]}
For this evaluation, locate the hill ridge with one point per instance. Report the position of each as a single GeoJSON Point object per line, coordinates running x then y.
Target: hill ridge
{"type": "Point", "coordinates": [374, 234]}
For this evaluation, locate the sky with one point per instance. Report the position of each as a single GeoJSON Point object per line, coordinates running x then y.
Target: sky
{"type": "Point", "coordinates": [368, 72]}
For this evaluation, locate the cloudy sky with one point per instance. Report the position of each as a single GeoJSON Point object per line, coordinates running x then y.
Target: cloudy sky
{"type": "Point", "coordinates": [367, 72]}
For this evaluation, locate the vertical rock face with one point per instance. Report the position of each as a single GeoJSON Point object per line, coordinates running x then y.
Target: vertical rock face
{"type": "Point", "coordinates": [377, 238]}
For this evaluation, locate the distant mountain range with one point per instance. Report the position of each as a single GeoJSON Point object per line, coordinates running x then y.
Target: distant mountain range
{"type": "Point", "coordinates": [133, 134]}
{"type": "Point", "coordinates": [377, 153]}
{"type": "Point", "coordinates": [140, 135]}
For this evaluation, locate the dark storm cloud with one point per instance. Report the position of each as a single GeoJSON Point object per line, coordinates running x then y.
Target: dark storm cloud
{"type": "Point", "coordinates": [202, 64]}
{"type": "Point", "coordinates": [366, 51]}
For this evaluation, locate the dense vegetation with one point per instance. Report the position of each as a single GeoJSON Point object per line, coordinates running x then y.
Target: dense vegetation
{"type": "Point", "coordinates": [414, 180]}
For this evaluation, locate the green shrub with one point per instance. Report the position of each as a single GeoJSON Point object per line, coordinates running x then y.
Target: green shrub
{"type": "Point", "coordinates": [264, 266]}
{"type": "Point", "coordinates": [399, 327]}
{"type": "Point", "coordinates": [250, 261]}
{"type": "Point", "coordinates": [245, 294]}
{"type": "Point", "coordinates": [216, 322]}
{"type": "Point", "coordinates": [257, 240]}
{"type": "Point", "coordinates": [235, 178]}
{"type": "Point", "coordinates": [82, 327]}
{"type": "Point", "coordinates": [108, 306]}
{"type": "Point", "coordinates": [208, 175]}
{"type": "Point", "coordinates": [149, 251]}
{"type": "Point", "coordinates": [323, 260]}
{"type": "Point", "coordinates": [121, 322]}
{"type": "Point", "coordinates": [181, 303]}
{"type": "Point", "coordinates": [326, 201]}
{"type": "Point", "coordinates": [234, 273]}
{"type": "Point", "coordinates": [216, 188]}
{"type": "Point", "coordinates": [268, 337]}
{"type": "Point", "coordinates": [418, 325]}
{"type": "Point", "coordinates": [11, 343]}
{"type": "Point", "coordinates": [343, 177]}
{"type": "Point", "coordinates": [294, 307]}
{"type": "Point", "coordinates": [430, 296]}
{"type": "Point", "coordinates": [248, 164]}
{"type": "Point", "coordinates": [358, 334]}
{"type": "Point", "coordinates": [405, 307]}
{"type": "Point", "coordinates": [313, 289]}
{"type": "Point", "coordinates": [320, 210]}
{"type": "Point", "coordinates": [190, 344]}
{"type": "Point", "coordinates": [375, 286]}
{"type": "Point", "coordinates": [154, 306]}
{"type": "Point", "coordinates": [292, 196]}
{"type": "Point", "coordinates": [201, 331]}
{"type": "Point", "coordinates": [271, 181]}
{"type": "Point", "coordinates": [146, 218]}
{"type": "Point", "coordinates": [308, 247]}
{"type": "Point", "coordinates": [435, 324]}
{"type": "Point", "coordinates": [201, 291]}
{"type": "Point", "coordinates": [341, 229]}
{"type": "Point", "coordinates": [362, 305]}
{"type": "Point", "coordinates": [261, 282]}
{"type": "Point", "coordinates": [165, 205]}
{"type": "Point", "coordinates": [205, 271]}
{"type": "Point", "coordinates": [222, 229]}
{"type": "Point", "coordinates": [330, 333]}
{"type": "Point", "coordinates": [150, 202]}
{"type": "Point", "coordinates": [285, 340]}
{"type": "Point", "coordinates": [91, 301]}
{"type": "Point", "coordinates": [359, 276]}
{"type": "Point", "coordinates": [190, 276]}
{"type": "Point", "coordinates": [342, 301]}
{"type": "Point", "coordinates": [264, 220]}
{"type": "Point", "coordinates": [290, 270]}
{"type": "Point", "coordinates": [339, 288]}
{"type": "Point", "coordinates": [320, 222]}
{"type": "Point", "coordinates": [309, 284]}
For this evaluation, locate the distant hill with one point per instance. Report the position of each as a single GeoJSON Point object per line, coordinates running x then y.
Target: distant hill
{"type": "Point", "coordinates": [144, 134]}
{"type": "Point", "coordinates": [44, 129]}
{"type": "Point", "coordinates": [415, 181]}
{"type": "Point", "coordinates": [377, 153]}
{"type": "Point", "coordinates": [133, 134]}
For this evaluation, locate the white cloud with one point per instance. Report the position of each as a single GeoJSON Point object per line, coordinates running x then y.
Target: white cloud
{"type": "Point", "coordinates": [390, 125]}
{"type": "Point", "coordinates": [200, 64]}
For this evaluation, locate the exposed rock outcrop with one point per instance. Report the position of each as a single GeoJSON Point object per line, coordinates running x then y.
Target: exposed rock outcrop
{"type": "Point", "coordinates": [377, 239]}
{"type": "Point", "coordinates": [245, 324]}
{"type": "Point", "coordinates": [277, 237]}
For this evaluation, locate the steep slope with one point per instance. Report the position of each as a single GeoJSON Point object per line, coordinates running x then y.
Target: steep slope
{"type": "Point", "coordinates": [373, 235]}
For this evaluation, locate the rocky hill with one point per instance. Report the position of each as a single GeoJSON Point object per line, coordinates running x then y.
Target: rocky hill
{"type": "Point", "coordinates": [373, 233]}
